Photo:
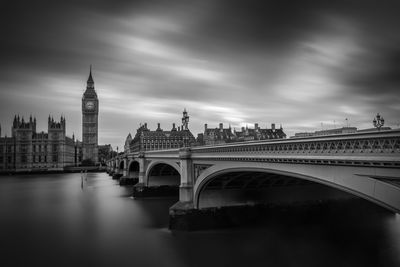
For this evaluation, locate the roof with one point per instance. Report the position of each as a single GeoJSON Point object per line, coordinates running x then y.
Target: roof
{"type": "Point", "coordinates": [90, 92]}
{"type": "Point", "coordinates": [90, 79]}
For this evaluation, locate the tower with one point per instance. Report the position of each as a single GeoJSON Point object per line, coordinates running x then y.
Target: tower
{"type": "Point", "coordinates": [185, 120]}
{"type": "Point", "coordinates": [90, 121]}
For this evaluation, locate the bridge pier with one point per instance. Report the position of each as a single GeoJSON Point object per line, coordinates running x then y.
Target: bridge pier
{"type": "Point", "coordinates": [140, 187]}
{"type": "Point", "coordinates": [181, 212]}
{"type": "Point", "coordinates": [125, 179]}
{"type": "Point", "coordinates": [111, 172]}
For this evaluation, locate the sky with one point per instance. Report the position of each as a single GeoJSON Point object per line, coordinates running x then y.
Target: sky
{"type": "Point", "coordinates": [306, 65]}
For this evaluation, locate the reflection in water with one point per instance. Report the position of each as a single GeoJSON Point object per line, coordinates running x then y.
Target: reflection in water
{"type": "Point", "coordinates": [48, 220]}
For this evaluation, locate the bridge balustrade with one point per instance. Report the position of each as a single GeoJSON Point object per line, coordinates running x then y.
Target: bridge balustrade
{"type": "Point", "coordinates": [355, 144]}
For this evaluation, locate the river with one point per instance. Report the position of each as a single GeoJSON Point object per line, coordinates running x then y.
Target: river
{"type": "Point", "coordinates": [50, 220]}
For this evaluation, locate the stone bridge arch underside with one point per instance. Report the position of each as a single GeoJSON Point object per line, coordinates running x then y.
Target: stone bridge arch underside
{"type": "Point", "coordinates": [256, 181]}
{"type": "Point", "coordinates": [133, 169]}
{"type": "Point", "coordinates": [159, 172]}
{"type": "Point", "coordinates": [121, 166]}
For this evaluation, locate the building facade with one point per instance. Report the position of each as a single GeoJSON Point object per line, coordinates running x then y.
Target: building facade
{"type": "Point", "coordinates": [215, 136]}
{"type": "Point", "coordinates": [28, 150]}
{"type": "Point", "coordinates": [342, 130]}
{"type": "Point", "coordinates": [90, 122]}
{"type": "Point", "coordinates": [145, 139]}
{"type": "Point", "coordinates": [221, 135]}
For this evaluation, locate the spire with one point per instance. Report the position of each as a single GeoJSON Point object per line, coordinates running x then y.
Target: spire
{"type": "Point", "coordinates": [90, 79]}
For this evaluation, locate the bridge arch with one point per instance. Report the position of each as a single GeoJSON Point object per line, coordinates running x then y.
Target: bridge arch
{"type": "Point", "coordinates": [170, 171]}
{"type": "Point", "coordinates": [121, 166]}
{"type": "Point", "coordinates": [133, 169]}
{"type": "Point", "coordinates": [361, 186]}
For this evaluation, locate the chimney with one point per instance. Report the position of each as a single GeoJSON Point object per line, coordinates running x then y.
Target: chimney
{"type": "Point", "coordinates": [173, 127]}
{"type": "Point", "coordinates": [158, 126]}
{"type": "Point", "coordinates": [179, 128]}
{"type": "Point", "coordinates": [205, 127]}
{"type": "Point", "coordinates": [221, 126]}
{"type": "Point", "coordinates": [256, 126]}
{"type": "Point", "coordinates": [242, 129]}
{"type": "Point", "coordinates": [273, 126]}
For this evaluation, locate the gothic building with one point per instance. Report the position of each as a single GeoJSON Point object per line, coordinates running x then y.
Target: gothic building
{"type": "Point", "coordinates": [90, 121]}
{"type": "Point", "coordinates": [145, 139]}
{"type": "Point", "coordinates": [29, 150]}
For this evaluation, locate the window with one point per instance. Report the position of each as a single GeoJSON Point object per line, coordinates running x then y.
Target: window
{"type": "Point", "coordinates": [55, 148]}
{"type": "Point", "coordinates": [55, 158]}
{"type": "Point", "coordinates": [23, 159]}
{"type": "Point", "coordinates": [9, 149]}
{"type": "Point", "coordinates": [1, 149]}
{"type": "Point", "coordinates": [1, 160]}
{"type": "Point", "coordinates": [9, 160]}
{"type": "Point", "coordinates": [23, 148]}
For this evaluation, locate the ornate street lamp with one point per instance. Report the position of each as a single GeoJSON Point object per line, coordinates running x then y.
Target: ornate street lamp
{"type": "Point", "coordinates": [378, 121]}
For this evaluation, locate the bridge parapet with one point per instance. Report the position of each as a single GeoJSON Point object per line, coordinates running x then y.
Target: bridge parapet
{"type": "Point", "coordinates": [385, 143]}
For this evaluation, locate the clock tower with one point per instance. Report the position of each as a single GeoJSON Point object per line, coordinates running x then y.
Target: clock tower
{"type": "Point", "coordinates": [90, 122]}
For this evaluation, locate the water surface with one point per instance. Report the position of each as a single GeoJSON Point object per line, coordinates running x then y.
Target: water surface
{"type": "Point", "coordinates": [49, 220]}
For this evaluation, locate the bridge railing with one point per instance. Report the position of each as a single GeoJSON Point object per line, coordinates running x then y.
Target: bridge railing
{"type": "Point", "coordinates": [378, 143]}
{"type": "Point", "coordinates": [374, 147]}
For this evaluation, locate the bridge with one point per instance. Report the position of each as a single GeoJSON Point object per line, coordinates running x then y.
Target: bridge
{"type": "Point", "coordinates": [364, 165]}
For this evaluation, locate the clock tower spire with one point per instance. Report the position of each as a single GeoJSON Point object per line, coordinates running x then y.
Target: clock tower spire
{"type": "Point", "coordinates": [90, 112]}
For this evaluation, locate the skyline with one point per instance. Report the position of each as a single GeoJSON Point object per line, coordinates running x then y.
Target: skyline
{"type": "Point", "coordinates": [296, 64]}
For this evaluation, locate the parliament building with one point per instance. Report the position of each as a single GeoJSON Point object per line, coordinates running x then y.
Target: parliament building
{"type": "Point", "coordinates": [27, 150]}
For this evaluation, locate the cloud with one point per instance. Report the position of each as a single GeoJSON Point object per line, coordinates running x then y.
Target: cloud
{"type": "Point", "coordinates": [298, 63]}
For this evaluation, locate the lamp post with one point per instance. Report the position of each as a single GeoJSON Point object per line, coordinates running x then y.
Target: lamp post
{"type": "Point", "coordinates": [378, 121]}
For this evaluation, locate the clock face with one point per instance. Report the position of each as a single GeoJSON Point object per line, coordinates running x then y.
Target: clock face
{"type": "Point", "coordinates": [89, 105]}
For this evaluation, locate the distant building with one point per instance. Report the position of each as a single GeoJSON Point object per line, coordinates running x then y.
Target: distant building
{"type": "Point", "coordinates": [374, 129]}
{"type": "Point", "coordinates": [221, 135]}
{"type": "Point", "coordinates": [343, 130]}
{"type": "Point", "coordinates": [28, 150]}
{"type": "Point", "coordinates": [258, 133]}
{"type": "Point", "coordinates": [145, 139]}
{"type": "Point", "coordinates": [215, 136]}
{"type": "Point", "coordinates": [105, 152]}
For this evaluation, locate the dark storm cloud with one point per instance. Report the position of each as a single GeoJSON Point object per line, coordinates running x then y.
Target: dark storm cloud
{"type": "Point", "coordinates": [377, 72]}
{"type": "Point", "coordinates": [244, 61]}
